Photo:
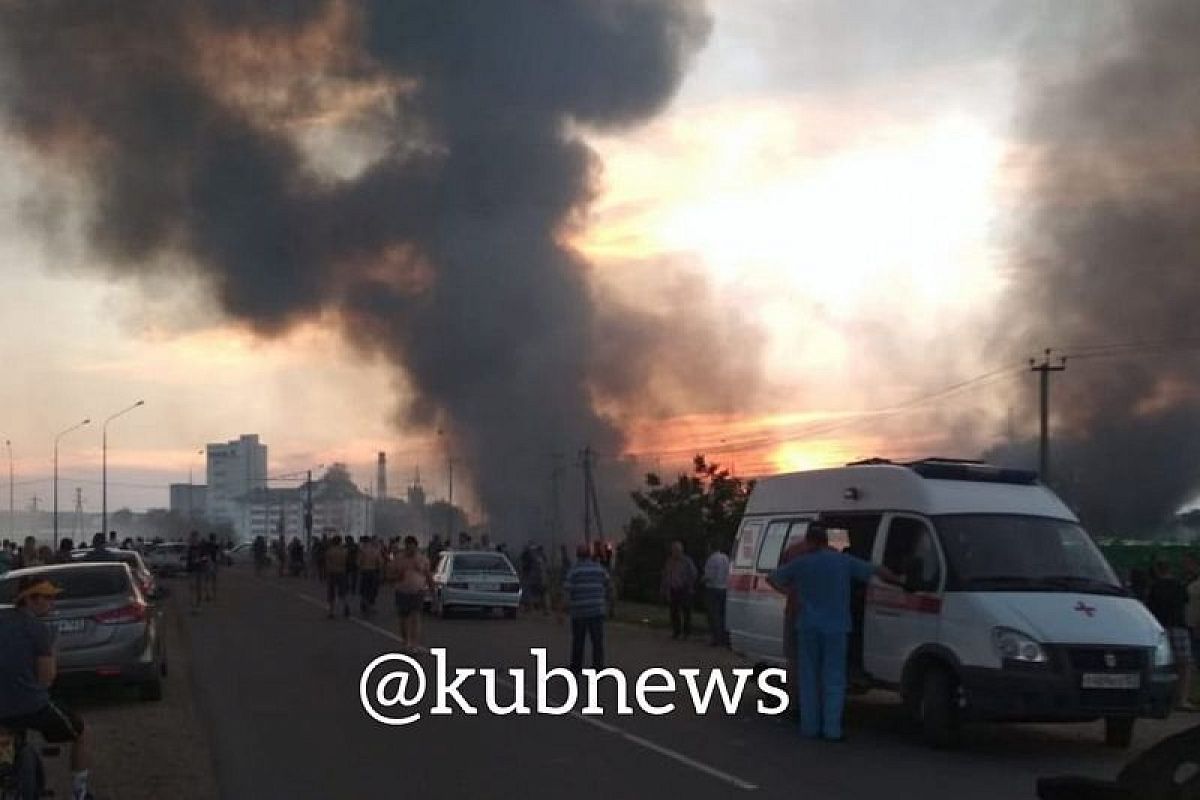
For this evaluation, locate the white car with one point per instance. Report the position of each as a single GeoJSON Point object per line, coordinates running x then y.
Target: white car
{"type": "Point", "coordinates": [475, 579]}
{"type": "Point", "coordinates": [166, 558]}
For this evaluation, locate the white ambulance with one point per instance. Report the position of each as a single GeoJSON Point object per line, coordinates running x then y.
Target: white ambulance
{"type": "Point", "coordinates": [1009, 611]}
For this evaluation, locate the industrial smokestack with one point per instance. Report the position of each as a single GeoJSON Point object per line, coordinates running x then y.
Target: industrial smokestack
{"type": "Point", "coordinates": [381, 477]}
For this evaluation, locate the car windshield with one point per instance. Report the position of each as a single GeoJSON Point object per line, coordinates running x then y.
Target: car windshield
{"type": "Point", "coordinates": [75, 583]}
{"type": "Point", "coordinates": [480, 562]}
{"type": "Point", "coordinates": [1020, 553]}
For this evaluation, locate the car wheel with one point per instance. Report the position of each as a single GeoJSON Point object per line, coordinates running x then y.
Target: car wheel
{"type": "Point", "coordinates": [152, 690]}
{"type": "Point", "coordinates": [510, 613]}
{"type": "Point", "coordinates": [1118, 731]}
{"type": "Point", "coordinates": [938, 709]}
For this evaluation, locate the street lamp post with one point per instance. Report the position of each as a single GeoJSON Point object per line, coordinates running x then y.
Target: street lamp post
{"type": "Point", "coordinates": [104, 466]}
{"type": "Point", "coordinates": [56, 438]}
{"type": "Point", "coordinates": [12, 533]}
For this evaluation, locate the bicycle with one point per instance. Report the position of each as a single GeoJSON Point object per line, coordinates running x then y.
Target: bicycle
{"type": "Point", "coordinates": [22, 774]}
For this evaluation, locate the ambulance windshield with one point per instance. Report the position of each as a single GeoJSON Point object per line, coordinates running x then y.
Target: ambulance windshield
{"type": "Point", "coordinates": [1003, 552]}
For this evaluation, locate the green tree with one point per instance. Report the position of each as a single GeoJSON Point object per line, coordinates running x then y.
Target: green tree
{"type": "Point", "coordinates": [698, 509]}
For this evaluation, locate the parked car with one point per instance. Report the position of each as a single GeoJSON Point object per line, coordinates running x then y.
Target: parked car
{"type": "Point", "coordinates": [167, 558]}
{"type": "Point", "coordinates": [108, 632]}
{"type": "Point", "coordinates": [470, 579]}
{"type": "Point", "coordinates": [141, 573]}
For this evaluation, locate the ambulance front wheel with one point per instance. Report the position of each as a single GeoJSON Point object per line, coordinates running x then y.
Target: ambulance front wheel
{"type": "Point", "coordinates": [937, 708]}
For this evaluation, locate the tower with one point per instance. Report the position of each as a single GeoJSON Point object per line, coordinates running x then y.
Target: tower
{"type": "Point", "coordinates": [381, 477]}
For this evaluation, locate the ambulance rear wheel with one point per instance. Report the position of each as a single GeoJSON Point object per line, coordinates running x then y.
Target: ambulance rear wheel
{"type": "Point", "coordinates": [937, 708]}
{"type": "Point", "coordinates": [1118, 731]}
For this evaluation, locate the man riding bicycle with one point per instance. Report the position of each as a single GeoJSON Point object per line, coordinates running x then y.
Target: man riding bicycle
{"type": "Point", "coordinates": [27, 669]}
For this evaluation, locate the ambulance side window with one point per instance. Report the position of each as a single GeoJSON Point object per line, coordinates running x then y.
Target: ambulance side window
{"type": "Point", "coordinates": [910, 547]}
{"type": "Point", "coordinates": [772, 546]}
{"type": "Point", "coordinates": [795, 536]}
{"type": "Point", "coordinates": [747, 546]}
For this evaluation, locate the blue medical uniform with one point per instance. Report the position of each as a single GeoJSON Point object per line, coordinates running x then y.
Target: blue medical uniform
{"type": "Point", "coordinates": [822, 582]}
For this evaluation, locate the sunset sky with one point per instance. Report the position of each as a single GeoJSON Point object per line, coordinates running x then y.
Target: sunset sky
{"type": "Point", "coordinates": [842, 178]}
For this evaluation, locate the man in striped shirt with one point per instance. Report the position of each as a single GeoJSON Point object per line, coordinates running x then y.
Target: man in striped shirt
{"type": "Point", "coordinates": [587, 587]}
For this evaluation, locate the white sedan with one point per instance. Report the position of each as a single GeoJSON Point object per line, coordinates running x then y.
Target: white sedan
{"type": "Point", "coordinates": [475, 579]}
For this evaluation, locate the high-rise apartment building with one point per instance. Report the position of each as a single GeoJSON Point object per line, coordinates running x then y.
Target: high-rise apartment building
{"type": "Point", "coordinates": [235, 469]}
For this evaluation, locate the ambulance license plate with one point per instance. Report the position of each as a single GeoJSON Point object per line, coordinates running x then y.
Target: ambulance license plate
{"type": "Point", "coordinates": [1111, 680]}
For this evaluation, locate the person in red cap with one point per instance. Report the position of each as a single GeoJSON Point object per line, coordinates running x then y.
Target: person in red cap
{"type": "Point", "coordinates": [27, 669]}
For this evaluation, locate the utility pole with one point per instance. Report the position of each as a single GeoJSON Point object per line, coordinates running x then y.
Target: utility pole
{"type": "Point", "coordinates": [1044, 369]}
{"type": "Point", "coordinates": [555, 505]}
{"type": "Point", "coordinates": [590, 504]}
{"type": "Point", "coordinates": [12, 530]}
{"type": "Point", "coordinates": [308, 513]}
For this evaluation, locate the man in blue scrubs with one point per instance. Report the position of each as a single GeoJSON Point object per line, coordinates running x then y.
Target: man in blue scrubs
{"type": "Point", "coordinates": [821, 579]}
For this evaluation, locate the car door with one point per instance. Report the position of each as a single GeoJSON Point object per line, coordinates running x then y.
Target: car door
{"type": "Point", "coordinates": [738, 602]}
{"type": "Point", "coordinates": [767, 606]}
{"type": "Point", "coordinates": [899, 620]}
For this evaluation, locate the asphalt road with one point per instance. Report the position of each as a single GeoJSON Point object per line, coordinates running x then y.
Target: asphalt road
{"type": "Point", "coordinates": [277, 688]}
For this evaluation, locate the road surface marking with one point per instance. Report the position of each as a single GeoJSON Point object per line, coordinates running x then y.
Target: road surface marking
{"type": "Point", "coordinates": [632, 738]}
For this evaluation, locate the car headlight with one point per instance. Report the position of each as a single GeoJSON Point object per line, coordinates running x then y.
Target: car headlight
{"type": "Point", "coordinates": [1163, 657]}
{"type": "Point", "coordinates": [1013, 645]}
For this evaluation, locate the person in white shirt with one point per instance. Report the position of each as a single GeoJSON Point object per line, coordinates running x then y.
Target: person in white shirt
{"type": "Point", "coordinates": [716, 581]}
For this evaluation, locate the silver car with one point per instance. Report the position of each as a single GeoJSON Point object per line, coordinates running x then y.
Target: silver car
{"type": "Point", "coordinates": [133, 559]}
{"type": "Point", "coordinates": [107, 630]}
{"type": "Point", "coordinates": [166, 558]}
{"type": "Point", "coordinates": [475, 579]}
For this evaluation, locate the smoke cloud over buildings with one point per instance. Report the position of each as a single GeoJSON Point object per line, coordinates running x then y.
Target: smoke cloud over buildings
{"type": "Point", "coordinates": [431, 218]}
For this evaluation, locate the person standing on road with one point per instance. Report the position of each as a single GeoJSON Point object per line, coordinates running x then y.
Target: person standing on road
{"type": "Point", "coordinates": [678, 585]}
{"type": "Point", "coordinates": [351, 565]}
{"type": "Point", "coordinates": [63, 556]}
{"type": "Point", "coordinates": [822, 578]}
{"type": "Point", "coordinates": [335, 573]}
{"type": "Point", "coordinates": [410, 573]}
{"type": "Point", "coordinates": [370, 559]}
{"type": "Point", "coordinates": [319, 546]}
{"type": "Point", "coordinates": [28, 666]}
{"type": "Point", "coordinates": [1167, 599]}
{"type": "Point", "coordinates": [1191, 572]}
{"type": "Point", "coordinates": [28, 556]}
{"type": "Point", "coordinates": [587, 588]}
{"type": "Point", "coordinates": [791, 642]}
{"type": "Point", "coordinates": [212, 549]}
{"type": "Point", "coordinates": [716, 580]}
{"type": "Point", "coordinates": [196, 558]}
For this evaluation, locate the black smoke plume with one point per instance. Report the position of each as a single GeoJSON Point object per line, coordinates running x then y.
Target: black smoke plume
{"type": "Point", "coordinates": [443, 248]}
{"type": "Point", "coordinates": [1108, 269]}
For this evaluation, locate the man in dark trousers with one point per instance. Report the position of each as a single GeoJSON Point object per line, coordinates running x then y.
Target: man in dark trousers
{"type": "Point", "coordinates": [678, 585]}
{"type": "Point", "coordinates": [587, 588]}
{"type": "Point", "coordinates": [822, 578]}
{"type": "Point", "coordinates": [1167, 600]}
{"type": "Point", "coordinates": [28, 667]}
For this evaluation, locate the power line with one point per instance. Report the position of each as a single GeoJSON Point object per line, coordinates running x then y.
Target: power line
{"type": "Point", "coordinates": [855, 418]}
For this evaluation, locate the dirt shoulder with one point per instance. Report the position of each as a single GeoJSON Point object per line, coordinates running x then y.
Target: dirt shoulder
{"type": "Point", "coordinates": [145, 750]}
